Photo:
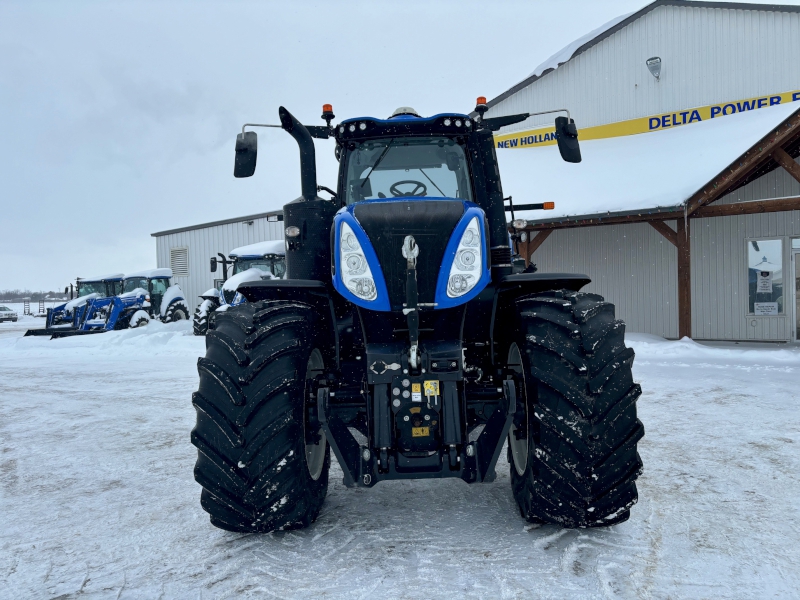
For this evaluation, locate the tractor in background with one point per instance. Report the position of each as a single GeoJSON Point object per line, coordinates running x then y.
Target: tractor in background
{"type": "Point", "coordinates": [70, 316]}
{"type": "Point", "coordinates": [254, 262]}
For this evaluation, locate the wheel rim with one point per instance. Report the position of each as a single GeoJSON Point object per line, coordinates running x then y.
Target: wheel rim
{"type": "Point", "coordinates": [178, 315]}
{"type": "Point", "coordinates": [315, 453]}
{"type": "Point", "coordinates": [519, 447]}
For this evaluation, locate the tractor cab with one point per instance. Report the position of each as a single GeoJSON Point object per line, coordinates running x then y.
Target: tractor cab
{"type": "Point", "coordinates": [152, 283]}
{"type": "Point", "coordinates": [105, 286]}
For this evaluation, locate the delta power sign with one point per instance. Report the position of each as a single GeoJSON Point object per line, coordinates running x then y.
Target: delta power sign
{"type": "Point", "coordinates": [546, 136]}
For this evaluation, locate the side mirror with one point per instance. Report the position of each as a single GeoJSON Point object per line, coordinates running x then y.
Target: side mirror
{"type": "Point", "coordinates": [213, 264]}
{"type": "Point", "coordinates": [246, 152]}
{"type": "Point", "coordinates": [567, 136]}
{"type": "Point", "coordinates": [66, 290]}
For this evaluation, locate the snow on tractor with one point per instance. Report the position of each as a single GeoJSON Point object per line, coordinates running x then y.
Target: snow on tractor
{"type": "Point", "coordinates": [137, 298]}
{"type": "Point", "coordinates": [70, 316]}
{"type": "Point", "coordinates": [147, 295]}
{"type": "Point", "coordinates": [404, 342]}
{"type": "Point", "coordinates": [262, 260]}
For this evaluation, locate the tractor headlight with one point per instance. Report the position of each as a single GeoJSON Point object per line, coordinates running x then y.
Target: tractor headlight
{"type": "Point", "coordinates": [468, 264]}
{"type": "Point", "coordinates": [356, 274]}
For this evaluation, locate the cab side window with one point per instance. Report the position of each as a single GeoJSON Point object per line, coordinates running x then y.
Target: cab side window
{"type": "Point", "coordinates": [158, 286]}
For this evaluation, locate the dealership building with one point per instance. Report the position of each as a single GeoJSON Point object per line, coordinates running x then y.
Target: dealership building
{"type": "Point", "coordinates": [685, 210]}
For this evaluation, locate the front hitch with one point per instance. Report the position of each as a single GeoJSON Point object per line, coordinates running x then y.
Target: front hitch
{"type": "Point", "coordinates": [411, 311]}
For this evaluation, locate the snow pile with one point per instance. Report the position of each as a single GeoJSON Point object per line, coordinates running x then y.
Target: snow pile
{"type": "Point", "coordinates": [657, 169]}
{"type": "Point", "coordinates": [150, 273]}
{"type": "Point", "coordinates": [155, 338]}
{"type": "Point", "coordinates": [251, 274]}
{"type": "Point", "coordinates": [260, 249]}
{"type": "Point", "coordinates": [566, 53]}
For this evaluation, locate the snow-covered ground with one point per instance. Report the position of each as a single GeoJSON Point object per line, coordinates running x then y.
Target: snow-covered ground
{"type": "Point", "coordinates": [97, 497]}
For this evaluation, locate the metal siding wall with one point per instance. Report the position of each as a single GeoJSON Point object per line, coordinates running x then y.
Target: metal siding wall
{"type": "Point", "coordinates": [632, 266]}
{"type": "Point", "coordinates": [709, 55]}
{"type": "Point", "coordinates": [207, 242]}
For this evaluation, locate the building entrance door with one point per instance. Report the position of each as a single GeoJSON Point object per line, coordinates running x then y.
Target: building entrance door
{"type": "Point", "coordinates": [796, 272]}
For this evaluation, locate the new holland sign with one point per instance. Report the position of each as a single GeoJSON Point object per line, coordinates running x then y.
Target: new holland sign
{"type": "Point", "coordinates": [545, 136]}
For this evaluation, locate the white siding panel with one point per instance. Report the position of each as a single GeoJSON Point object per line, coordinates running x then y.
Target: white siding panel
{"type": "Point", "coordinates": [709, 55]}
{"type": "Point", "coordinates": [632, 266]}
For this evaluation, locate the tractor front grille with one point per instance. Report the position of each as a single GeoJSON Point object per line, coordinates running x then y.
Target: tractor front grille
{"type": "Point", "coordinates": [229, 295]}
{"type": "Point", "coordinates": [431, 222]}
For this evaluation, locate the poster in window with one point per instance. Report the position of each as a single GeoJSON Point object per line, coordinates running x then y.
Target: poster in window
{"type": "Point", "coordinates": [764, 283]}
{"type": "Point", "coordinates": [766, 308]}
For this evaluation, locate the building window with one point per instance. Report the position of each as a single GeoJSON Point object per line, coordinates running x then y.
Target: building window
{"type": "Point", "coordinates": [765, 277]}
{"type": "Point", "coordinates": [179, 262]}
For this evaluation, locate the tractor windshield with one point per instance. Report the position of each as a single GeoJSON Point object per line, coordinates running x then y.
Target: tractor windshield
{"type": "Point", "coordinates": [134, 283]}
{"type": "Point", "coordinates": [91, 287]}
{"type": "Point", "coordinates": [402, 167]}
{"type": "Point", "coordinates": [275, 267]}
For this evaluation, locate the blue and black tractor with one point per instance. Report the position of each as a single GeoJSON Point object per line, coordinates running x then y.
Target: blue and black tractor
{"type": "Point", "coordinates": [90, 293]}
{"type": "Point", "coordinates": [147, 295]}
{"type": "Point", "coordinates": [406, 343]}
{"type": "Point", "coordinates": [254, 262]}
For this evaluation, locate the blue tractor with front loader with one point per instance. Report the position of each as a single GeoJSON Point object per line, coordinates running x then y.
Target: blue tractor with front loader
{"type": "Point", "coordinates": [90, 293]}
{"type": "Point", "coordinates": [403, 318]}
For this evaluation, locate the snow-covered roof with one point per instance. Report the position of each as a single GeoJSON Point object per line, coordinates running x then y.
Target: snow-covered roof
{"type": "Point", "coordinates": [568, 51]}
{"type": "Point", "coordinates": [150, 273]}
{"type": "Point", "coordinates": [101, 277]}
{"type": "Point", "coordinates": [585, 42]}
{"type": "Point", "coordinates": [644, 171]}
{"type": "Point", "coordinates": [260, 249]}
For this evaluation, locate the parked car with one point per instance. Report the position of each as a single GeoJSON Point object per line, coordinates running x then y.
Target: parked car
{"type": "Point", "coordinates": [7, 314]}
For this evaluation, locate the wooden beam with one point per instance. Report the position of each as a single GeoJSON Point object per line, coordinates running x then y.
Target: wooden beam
{"type": "Point", "coordinates": [748, 208]}
{"type": "Point", "coordinates": [684, 279]}
{"type": "Point", "coordinates": [666, 231]}
{"type": "Point", "coordinates": [787, 162]}
{"type": "Point", "coordinates": [644, 217]}
{"type": "Point", "coordinates": [534, 243]}
{"type": "Point", "coordinates": [760, 153]}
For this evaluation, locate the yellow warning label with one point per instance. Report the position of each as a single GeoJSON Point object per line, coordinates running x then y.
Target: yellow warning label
{"type": "Point", "coordinates": [420, 431]}
{"type": "Point", "coordinates": [414, 410]}
{"type": "Point", "coordinates": [416, 388]}
{"type": "Point", "coordinates": [432, 388]}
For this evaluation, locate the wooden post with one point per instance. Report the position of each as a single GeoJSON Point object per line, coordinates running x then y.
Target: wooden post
{"type": "Point", "coordinates": [684, 279]}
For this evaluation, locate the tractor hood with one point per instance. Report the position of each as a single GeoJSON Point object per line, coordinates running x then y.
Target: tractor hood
{"type": "Point", "coordinates": [370, 269]}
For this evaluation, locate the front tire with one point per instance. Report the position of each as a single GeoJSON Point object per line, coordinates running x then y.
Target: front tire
{"type": "Point", "coordinates": [257, 470]}
{"type": "Point", "coordinates": [576, 462]}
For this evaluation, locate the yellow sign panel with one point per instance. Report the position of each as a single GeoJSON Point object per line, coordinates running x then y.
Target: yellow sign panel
{"type": "Point", "coordinates": [414, 410]}
{"type": "Point", "coordinates": [416, 388]}
{"type": "Point", "coordinates": [432, 388]}
{"type": "Point", "coordinates": [546, 136]}
{"type": "Point", "coordinates": [420, 431]}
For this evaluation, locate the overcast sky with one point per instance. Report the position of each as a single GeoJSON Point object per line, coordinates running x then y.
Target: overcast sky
{"type": "Point", "coordinates": [118, 119]}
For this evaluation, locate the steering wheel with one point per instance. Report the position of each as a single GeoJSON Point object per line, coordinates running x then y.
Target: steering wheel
{"type": "Point", "coordinates": [420, 188]}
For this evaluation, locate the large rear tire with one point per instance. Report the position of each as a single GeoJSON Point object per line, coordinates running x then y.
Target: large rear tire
{"type": "Point", "coordinates": [257, 471]}
{"type": "Point", "coordinates": [572, 449]}
{"type": "Point", "coordinates": [177, 311]}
